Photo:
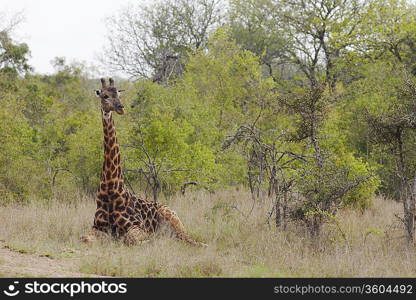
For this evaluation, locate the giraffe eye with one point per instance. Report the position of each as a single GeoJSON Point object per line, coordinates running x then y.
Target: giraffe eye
{"type": "Point", "coordinates": [105, 97]}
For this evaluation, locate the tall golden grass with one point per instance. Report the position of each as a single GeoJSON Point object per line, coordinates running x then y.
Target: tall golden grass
{"type": "Point", "coordinates": [241, 243]}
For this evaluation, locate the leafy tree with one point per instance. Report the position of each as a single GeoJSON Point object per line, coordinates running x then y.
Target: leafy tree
{"type": "Point", "coordinates": [311, 36]}
{"type": "Point", "coordinates": [155, 40]}
{"type": "Point", "coordinates": [19, 155]}
{"type": "Point", "coordinates": [259, 28]}
{"type": "Point", "coordinates": [329, 174]}
{"type": "Point", "coordinates": [391, 120]}
{"type": "Point", "coordinates": [13, 56]}
{"type": "Point", "coordinates": [391, 32]}
{"type": "Point", "coordinates": [229, 91]}
{"type": "Point", "coordinates": [162, 148]}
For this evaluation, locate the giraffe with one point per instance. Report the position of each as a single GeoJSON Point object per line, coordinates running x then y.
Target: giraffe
{"type": "Point", "coordinates": [119, 212]}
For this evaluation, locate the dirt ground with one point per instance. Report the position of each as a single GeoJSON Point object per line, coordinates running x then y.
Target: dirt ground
{"type": "Point", "coordinates": [16, 264]}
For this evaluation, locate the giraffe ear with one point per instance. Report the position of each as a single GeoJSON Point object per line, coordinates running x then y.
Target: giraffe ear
{"type": "Point", "coordinates": [97, 93]}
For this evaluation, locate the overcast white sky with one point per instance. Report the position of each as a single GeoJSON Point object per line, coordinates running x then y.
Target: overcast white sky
{"type": "Point", "coordinates": [73, 29]}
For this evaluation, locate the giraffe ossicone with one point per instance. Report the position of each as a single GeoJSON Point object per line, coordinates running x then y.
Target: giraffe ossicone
{"type": "Point", "coordinates": [120, 213]}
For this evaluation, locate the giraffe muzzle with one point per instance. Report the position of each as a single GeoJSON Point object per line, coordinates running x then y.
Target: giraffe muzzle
{"type": "Point", "coordinates": [120, 109]}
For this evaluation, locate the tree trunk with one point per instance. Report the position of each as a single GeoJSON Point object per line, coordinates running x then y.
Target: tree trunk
{"type": "Point", "coordinates": [279, 211]}
{"type": "Point", "coordinates": [407, 191]}
{"type": "Point", "coordinates": [409, 201]}
{"type": "Point", "coordinates": [316, 226]}
{"type": "Point", "coordinates": [284, 210]}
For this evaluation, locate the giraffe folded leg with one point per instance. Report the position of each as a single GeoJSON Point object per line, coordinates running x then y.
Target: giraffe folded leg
{"type": "Point", "coordinates": [136, 235]}
{"type": "Point", "coordinates": [175, 224]}
{"type": "Point", "coordinates": [93, 236]}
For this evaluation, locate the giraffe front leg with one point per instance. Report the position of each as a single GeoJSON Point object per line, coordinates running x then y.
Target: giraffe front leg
{"type": "Point", "coordinates": [93, 236]}
{"type": "Point", "coordinates": [136, 235]}
{"type": "Point", "coordinates": [100, 228]}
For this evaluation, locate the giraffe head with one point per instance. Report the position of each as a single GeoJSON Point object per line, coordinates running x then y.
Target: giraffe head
{"type": "Point", "coordinates": [110, 97]}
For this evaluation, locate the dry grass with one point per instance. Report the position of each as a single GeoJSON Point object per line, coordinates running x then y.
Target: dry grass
{"type": "Point", "coordinates": [241, 244]}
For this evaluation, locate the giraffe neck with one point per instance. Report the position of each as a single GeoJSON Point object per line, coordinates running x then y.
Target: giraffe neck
{"type": "Point", "coordinates": [112, 176]}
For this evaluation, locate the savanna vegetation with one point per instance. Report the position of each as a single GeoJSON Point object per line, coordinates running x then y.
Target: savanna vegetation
{"type": "Point", "coordinates": [282, 131]}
